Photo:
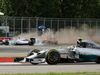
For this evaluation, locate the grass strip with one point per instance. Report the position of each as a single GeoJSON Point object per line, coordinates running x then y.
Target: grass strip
{"type": "Point", "coordinates": [70, 73]}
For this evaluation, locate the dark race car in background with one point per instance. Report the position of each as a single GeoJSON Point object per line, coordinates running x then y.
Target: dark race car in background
{"type": "Point", "coordinates": [50, 41]}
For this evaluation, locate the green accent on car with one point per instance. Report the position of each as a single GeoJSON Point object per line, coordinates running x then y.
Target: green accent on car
{"type": "Point", "coordinates": [87, 57]}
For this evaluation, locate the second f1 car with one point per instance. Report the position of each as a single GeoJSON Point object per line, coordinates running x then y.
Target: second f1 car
{"type": "Point", "coordinates": [19, 41]}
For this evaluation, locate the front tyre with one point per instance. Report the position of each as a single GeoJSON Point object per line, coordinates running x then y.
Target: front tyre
{"type": "Point", "coordinates": [52, 57]}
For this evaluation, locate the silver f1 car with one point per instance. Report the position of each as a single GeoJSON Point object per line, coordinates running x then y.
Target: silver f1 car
{"type": "Point", "coordinates": [87, 51]}
{"type": "Point", "coordinates": [19, 41]}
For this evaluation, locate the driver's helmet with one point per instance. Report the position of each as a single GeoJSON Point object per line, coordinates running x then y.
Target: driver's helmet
{"type": "Point", "coordinates": [79, 41]}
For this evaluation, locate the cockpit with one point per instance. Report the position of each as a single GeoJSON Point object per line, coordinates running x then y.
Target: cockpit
{"type": "Point", "coordinates": [88, 44]}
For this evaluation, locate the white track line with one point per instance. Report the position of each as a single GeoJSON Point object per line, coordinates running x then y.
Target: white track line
{"type": "Point", "coordinates": [9, 63]}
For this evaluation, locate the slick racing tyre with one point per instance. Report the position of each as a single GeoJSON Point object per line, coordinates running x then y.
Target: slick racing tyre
{"type": "Point", "coordinates": [31, 43]}
{"type": "Point", "coordinates": [32, 52]}
{"type": "Point", "coordinates": [6, 42]}
{"type": "Point", "coordinates": [98, 60]}
{"type": "Point", "coordinates": [52, 57]}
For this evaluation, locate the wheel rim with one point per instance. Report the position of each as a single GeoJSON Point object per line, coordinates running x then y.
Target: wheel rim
{"type": "Point", "coordinates": [54, 56]}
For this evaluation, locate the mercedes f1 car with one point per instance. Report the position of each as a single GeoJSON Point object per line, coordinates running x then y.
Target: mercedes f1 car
{"type": "Point", "coordinates": [87, 51]}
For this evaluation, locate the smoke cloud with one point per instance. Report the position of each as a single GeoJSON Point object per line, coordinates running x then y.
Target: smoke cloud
{"type": "Point", "coordinates": [66, 35]}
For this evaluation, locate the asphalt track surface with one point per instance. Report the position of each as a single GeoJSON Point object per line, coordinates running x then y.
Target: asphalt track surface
{"type": "Point", "coordinates": [21, 50]}
{"type": "Point", "coordinates": [45, 68]}
{"type": "Point", "coordinates": [40, 68]}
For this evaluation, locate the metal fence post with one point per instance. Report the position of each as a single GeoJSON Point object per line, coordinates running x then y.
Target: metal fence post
{"type": "Point", "coordinates": [58, 25]}
{"type": "Point", "coordinates": [96, 26]}
{"type": "Point", "coordinates": [36, 26]}
{"type": "Point", "coordinates": [14, 27]}
{"type": "Point", "coordinates": [44, 22]}
{"type": "Point", "coordinates": [84, 24]}
{"type": "Point", "coordinates": [51, 25]}
{"type": "Point", "coordinates": [6, 28]}
{"type": "Point", "coordinates": [21, 25]}
{"type": "Point", "coordinates": [90, 24]}
{"type": "Point", "coordinates": [29, 25]}
{"type": "Point", "coordinates": [77, 23]}
{"type": "Point", "coordinates": [71, 24]}
{"type": "Point", "coordinates": [64, 23]}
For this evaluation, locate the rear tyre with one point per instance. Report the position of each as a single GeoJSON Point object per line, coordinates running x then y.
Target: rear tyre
{"type": "Point", "coordinates": [6, 42]}
{"type": "Point", "coordinates": [32, 52]}
{"type": "Point", "coordinates": [32, 41]}
{"type": "Point", "coordinates": [52, 57]}
{"type": "Point", "coordinates": [98, 60]}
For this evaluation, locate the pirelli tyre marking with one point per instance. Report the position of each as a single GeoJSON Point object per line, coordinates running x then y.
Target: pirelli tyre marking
{"type": "Point", "coordinates": [52, 57]}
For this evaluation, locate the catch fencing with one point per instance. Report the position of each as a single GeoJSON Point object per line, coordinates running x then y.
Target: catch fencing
{"type": "Point", "coordinates": [20, 25]}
